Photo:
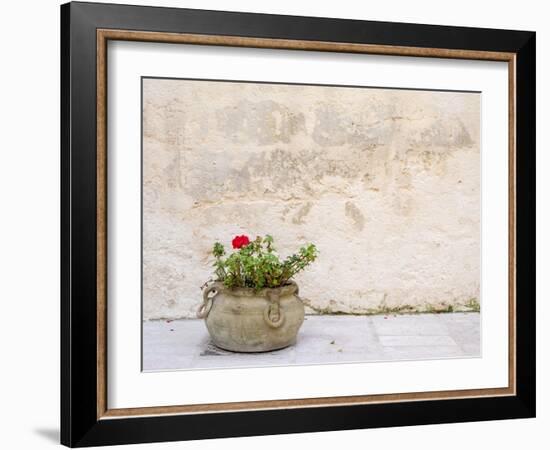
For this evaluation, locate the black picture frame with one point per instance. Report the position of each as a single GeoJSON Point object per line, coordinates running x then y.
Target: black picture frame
{"type": "Point", "coordinates": [80, 424]}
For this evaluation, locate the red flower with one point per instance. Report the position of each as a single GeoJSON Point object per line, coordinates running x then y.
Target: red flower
{"type": "Point", "coordinates": [240, 241]}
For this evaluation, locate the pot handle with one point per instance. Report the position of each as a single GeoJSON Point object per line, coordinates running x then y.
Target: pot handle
{"type": "Point", "coordinates": [274, 309]}
{"type": "Point", "coordinates": [206, 305]}
{"type": "Point", "coordinates": [297, 288]}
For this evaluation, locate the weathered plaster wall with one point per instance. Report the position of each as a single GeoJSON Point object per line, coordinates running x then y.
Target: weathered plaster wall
{"type": "Point", "coordinates": [385, 182]}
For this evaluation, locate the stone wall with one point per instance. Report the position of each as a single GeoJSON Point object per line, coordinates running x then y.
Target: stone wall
{"type": "Point", "coordinates": [385, 182]}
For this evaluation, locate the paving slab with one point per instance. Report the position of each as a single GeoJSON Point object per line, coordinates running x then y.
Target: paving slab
{"type": "Point", "coordinates": [416, 341]}
{"type": "Point", "coordinates": [410, 325]}
{"type": "Point", "coordinates": [323, 339]}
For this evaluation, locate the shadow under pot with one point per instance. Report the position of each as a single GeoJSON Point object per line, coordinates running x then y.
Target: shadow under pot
{"type": "Point", "coordinates": [249, 320]}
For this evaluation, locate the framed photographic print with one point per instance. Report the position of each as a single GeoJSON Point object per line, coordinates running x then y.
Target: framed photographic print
{"type": "Point", "coordinates": [277, 224]}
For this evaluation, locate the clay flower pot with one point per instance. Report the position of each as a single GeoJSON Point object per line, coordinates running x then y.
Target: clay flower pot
{"type": "Point", "coordinates": [249, 320]}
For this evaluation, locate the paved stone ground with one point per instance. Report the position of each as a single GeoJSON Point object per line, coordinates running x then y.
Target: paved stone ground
{"type": "Point", "coordinates": [185, 344]}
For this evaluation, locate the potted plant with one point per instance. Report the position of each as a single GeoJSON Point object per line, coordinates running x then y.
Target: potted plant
{"type": "Point", "coordinates": [252, 304]}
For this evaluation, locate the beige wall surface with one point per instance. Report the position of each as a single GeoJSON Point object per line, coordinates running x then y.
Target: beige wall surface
{"type": "Point", "coordinates": [385, 182]}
